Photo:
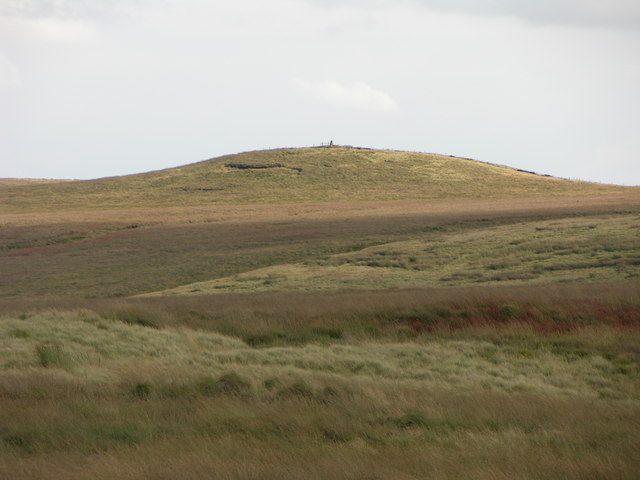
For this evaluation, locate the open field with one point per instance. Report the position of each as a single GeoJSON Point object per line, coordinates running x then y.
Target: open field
{"type": "Point", "coordinates": [320, 313]}
{"type": "Point", "coordinates": [122, 252]}
{"type": "Point", "coordinates": [576, 249]}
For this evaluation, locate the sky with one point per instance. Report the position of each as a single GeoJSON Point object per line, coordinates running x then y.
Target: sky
{"type": "Point", "coordinates": [94, 88]}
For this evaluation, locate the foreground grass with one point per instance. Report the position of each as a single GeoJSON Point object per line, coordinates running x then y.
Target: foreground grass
{"type": "Point", "coordinates": [379, 435]}
{"type": "Point", "coordinates": [84, 343]}
{"type": "Point", "coordinates": [86, 395]}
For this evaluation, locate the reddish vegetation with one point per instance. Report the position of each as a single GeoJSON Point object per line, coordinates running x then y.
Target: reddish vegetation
{"type": "Point", "coordinates": [547, 309]}
{"type": "Point", "coordinates": [547, 319]}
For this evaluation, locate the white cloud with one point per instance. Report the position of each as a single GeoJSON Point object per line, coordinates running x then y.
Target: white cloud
{"type": "Point", "coordinates": [60, 30]}
{"type": "Point", "coordinates": [62, 8]}
{"type": "Point", "coordinates": [354, 95]}
{"type": "Point", "coordinates": [164, 82]}
{"type": "Point", "coordinates": [9, 74]}
{"type": "Point", "coordinates": [599, 13]}
{"type": "Point", "coordinates": [632, 70]}
{"type": "Point", "coordinates": [624, 13]}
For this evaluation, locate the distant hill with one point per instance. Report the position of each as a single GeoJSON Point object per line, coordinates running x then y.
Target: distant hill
{"type": "Point", "coordinates": [13, 182]}
{"type": "Point", "coordinates": [295, 175]}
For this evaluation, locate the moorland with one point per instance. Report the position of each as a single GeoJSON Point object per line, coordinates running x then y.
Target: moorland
{"type": "Point", "coordinates": [320, 313]}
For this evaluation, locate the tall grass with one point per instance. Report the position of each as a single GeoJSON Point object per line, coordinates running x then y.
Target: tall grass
{"type": "Point", "coordinates": [140, 402]}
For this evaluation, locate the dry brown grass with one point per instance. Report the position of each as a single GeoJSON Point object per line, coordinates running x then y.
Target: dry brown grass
{"type": "Point", "coordinates": [13, 182]}
{"type": "Point", "coordinates": [462, 435]}
{"type": "Point", "coordinates": [494, 382]}
{"type": "Point", "coordinates": [99, 254]}
{"type": "Point", "coordinates": [516, 405]}
{"type": "Point", "coordinates": [453, 209]}
{"type": "Point", "coordinates": [396, 314]}
{"type": "Point", "coordinates": [310, 175]}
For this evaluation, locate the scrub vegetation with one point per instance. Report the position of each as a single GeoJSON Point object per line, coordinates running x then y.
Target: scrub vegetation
{"type": "Point", "coordinates": [320, 313]}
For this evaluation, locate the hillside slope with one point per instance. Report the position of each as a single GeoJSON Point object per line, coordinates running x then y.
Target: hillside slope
{"type": "Point", "coordinates": [584, 249]}
{"type": "Point", "coordinates": [296, 175]}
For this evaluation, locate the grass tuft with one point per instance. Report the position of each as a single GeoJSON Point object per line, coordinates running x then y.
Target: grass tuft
{"type": "Point", "coordinates": [298, 389]}
{"type": "Point", "coordinates": [228, 384]}
{"type": "Point", "coordinates": [52, 355]}
{"type": "Point", "coordinates": [141, 390]}
{"type": "Point", "coordinates": [133, 317]}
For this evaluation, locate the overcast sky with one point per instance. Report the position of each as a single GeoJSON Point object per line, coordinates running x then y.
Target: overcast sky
{"type": "Point", "coordinates": [92, 88]}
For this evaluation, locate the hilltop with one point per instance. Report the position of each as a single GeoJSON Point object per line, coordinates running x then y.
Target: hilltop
{"type": "Point", "coordinates": [296, 175]}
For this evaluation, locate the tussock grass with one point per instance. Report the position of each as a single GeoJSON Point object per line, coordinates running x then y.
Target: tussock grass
{"type": "Point", "coordinates": [83, 339]}
{"type": "Point", "coordinates": [587, 361]}
{"type": "Point", "coordinates": [142, 402]}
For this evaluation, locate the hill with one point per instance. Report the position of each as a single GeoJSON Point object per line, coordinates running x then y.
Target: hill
{"type": "Point", "coordinates": [296, 175]}
{"type": "Point", "coordinates": [14, 182]}
{"type": "Point", "coordinates": [314, 218]}
{"type": "Point", "coordinates": [320, 313]}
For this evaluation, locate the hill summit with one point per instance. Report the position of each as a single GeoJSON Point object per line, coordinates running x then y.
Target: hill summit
{"type": "Point", "coordinates": [336, 173]}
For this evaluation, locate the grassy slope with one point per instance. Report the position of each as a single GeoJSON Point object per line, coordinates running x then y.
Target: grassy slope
{"type": "Point", "coordinates": [14, 182]}
{"type": "Point", "coordinates": [576, 249]}
{"type": "Point", "coordinates": [325, 174]}
{"type": "Point", "coordinates": [87, 259]}
{"type": "Point", "coordinates": [492, 382]}
{"type": "Point", "coordinates": [345, 244]}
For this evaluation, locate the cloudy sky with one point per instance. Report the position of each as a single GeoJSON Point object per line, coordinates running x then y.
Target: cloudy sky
{"type": "Point", "coordinates": [92, 88]}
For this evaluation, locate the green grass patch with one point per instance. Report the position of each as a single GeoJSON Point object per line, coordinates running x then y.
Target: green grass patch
{"type": "Point", "coordinates": [566, 250]}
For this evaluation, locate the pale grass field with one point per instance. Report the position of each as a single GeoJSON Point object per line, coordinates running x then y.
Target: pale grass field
{"type": "Point", "coordinates": [84, 396]}
{"type": "Point", "coordinates": [88, 346]}
{"type": "Point", "coordinates": [598, 248]}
